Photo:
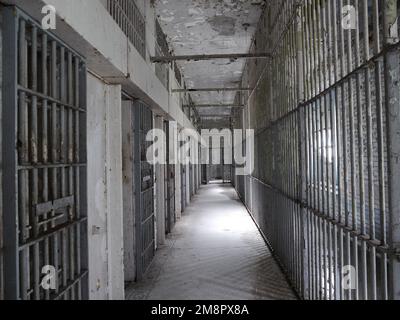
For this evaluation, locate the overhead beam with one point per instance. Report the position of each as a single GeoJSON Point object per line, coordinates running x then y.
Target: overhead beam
{"type": "Point", "coordinates": [216, 116]}
{"type": "Point", "coordinates": [210, 90]}
{"type": "Point", "coordinates": [200, 57]}
{"type": "Point", "coordinates": [214, 105]}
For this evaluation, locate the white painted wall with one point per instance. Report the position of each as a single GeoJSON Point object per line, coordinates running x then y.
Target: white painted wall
{"type": "Point", "coordinates": [160, 190]}
{"type": "Point", "coordinates": [105, 216]}
{"type": "Point", "coordinates": [178, 191]}
{"type": "Point", "coordinates": [128, 191]}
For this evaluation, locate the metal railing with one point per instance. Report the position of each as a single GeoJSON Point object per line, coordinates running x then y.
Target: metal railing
{"type": "Point", "coordinates": [162, 49]}
{"type": "Point", "coordinates": [131, 21]}
{"type": "Point", "coordinates": [325, 186]}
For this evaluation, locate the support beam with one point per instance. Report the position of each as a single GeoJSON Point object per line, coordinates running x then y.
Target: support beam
{"type": "Point", "coordinates": [216, 116]}
{"type": "Point", "coordinates": [200, 57]}
{"type": "Point", "coordinates": [210, 90]}
{"type": "Point", "coordinates": [215, 105]}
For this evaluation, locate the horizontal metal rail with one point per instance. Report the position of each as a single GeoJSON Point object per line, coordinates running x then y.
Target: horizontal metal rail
{"type": "Point", "coordinates": [202, 57]}
{"type": "Point", "coordinates": [209, 90]}
{"type": "Point", "coordinates": [214, 105]}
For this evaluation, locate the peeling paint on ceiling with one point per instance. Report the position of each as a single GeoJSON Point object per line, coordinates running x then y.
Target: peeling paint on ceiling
{"type": "Point", "coordinates": [210, 27]}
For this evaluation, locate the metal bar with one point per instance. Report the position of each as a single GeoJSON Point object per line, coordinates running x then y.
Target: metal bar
{"type": "Point", "coordinates": [209, 90]}
{"type": "Point", "coordinates": [23, 154]}
{"type": "Point", "coordinates": [48, 98]}
{"type": "Point", "coordinates": [201, 57]}
{"type": "Point", "coordinates": [214, 105]}
{"type": "Point", "coordinates": [44, 144]}
{"type": "Point", "coordinates": [381, 149]}
{"type": "Point", "coordinates": [34, 159]}
{"type": "Point", "coordinates": [9, 154]}
{"type": "Point", "coordinates": [76, 173]}
{"type": "Point", "coordinates": [73, 130]}
{"type": "Point", "coordinates": [54, 155]}
{"type": "Point", "coordinates": [63, 156]}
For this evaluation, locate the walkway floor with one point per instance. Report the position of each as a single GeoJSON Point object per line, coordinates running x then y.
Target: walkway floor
{"type": "Point", "coordinates": [215, 252]}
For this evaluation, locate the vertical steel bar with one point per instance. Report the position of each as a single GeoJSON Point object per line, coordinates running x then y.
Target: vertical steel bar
{"type": "Point", "coordinates": [23, 153]}
{"type": "Point", "coordinates": [63, 160]}
{"type": "Point", "coordinates": [381, 144]}
{"type": "Point", "coordinates": [71, 158]}
{"type": "Point", "coordinates": [361, 163]}
{"type": "Point", "coordinates": [54, 155]}
{"type": "Point", "coordinates": [77, 148]}
{"type": "Point", "coordinates": [34, 159]}
{"type": "Point", "coordinates": [44, 144]}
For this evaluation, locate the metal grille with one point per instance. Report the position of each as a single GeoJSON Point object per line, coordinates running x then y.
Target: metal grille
{"type": "Point", "coordinates": [178, 74]}
{"type": "Point", "coordinates": [131, 21]}
{"type": "Point", "coordinates": [144, 192]}
{"type": "Point", "coordinates": [45, 161]}
{"type": "Point", "coordinates": [170, 216]}
{"type": "Point", "coordinates": [162, 49]}
{"type": "Point", "coordinates": [326, 117]}
{"type": "Point", "coordinates": [183, 187]}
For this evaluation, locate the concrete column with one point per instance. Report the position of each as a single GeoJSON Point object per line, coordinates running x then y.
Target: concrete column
{"type": "Point", "coordinates": [160, 189]}
{"type": "Point", "coordinates": [114, 205]}
{"type": "Point", "coordinates": [105, 213]}
{"type": "Point", "coordinates": [187, 180]}
{"type": "Point", "coordinates": [178, 180]}
{"type": "Point", "coordinates": [128, 191]}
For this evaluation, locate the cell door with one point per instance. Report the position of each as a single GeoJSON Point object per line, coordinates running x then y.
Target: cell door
{"type": "Point", "coordinates": [183, 187]}
{"type": "Point", "coordinates": [144, 190]}
{"type": "Point", "coordinates": [44, 157]}
{"type": "Point", "coordinates": [170, 217]}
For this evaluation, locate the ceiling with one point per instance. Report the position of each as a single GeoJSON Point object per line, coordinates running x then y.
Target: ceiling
{"type": "Point", "coordinates": [197, 27]}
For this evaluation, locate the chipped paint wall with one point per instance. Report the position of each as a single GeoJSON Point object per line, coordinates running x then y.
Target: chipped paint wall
{"type": "Point", "coordinates": [105, 219]}
{"type": "Point", "coordinates": [128, 190]}
{"type": "Point", "coordinates": [209, 27]}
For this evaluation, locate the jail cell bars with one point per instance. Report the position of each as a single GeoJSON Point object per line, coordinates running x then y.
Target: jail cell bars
{"type": "Point", "coordinates": [170, 216]}
{"type": "Point", "coordinates": [131, 21]}
{"type": "Point", "coordinates": [144, 190]}
{"type": "Point", "coordinates": [45, 156]}
{"type": "Point", "coordinates": [326, 144]}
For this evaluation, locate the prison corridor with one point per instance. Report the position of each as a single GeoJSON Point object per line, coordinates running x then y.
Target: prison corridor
{"type": "Point", "coordinates": [193, 149]}
{"type": "Point", "coordinates": [215, 252]}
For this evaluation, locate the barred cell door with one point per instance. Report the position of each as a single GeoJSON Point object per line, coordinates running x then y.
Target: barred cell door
{"type": "Point", "coordinates": [44, 161]}
{"type": "Point", "coordinates": [144, 190]}
{"type": "Point", "coordinates": [170, 217]}
{"type": "Point", "coordinates": [183, 187]}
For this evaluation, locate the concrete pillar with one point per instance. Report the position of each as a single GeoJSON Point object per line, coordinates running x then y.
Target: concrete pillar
{"type": "Point", "coordinates": [149, 14]}
{"type": "Point", "coordinates": [160, 189]}
{"type": "Point", "coordinates": [178, 180]}
{"type": "Point", "coordinates": [105, 214]}
{"type": "Point", "coordinates": [128, 191]}
{"type": "Point", "coordinates": [187, 180]}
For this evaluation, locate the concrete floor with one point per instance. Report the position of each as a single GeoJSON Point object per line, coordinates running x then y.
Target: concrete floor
{"type": "Point", "coordinates": [214, 252]}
